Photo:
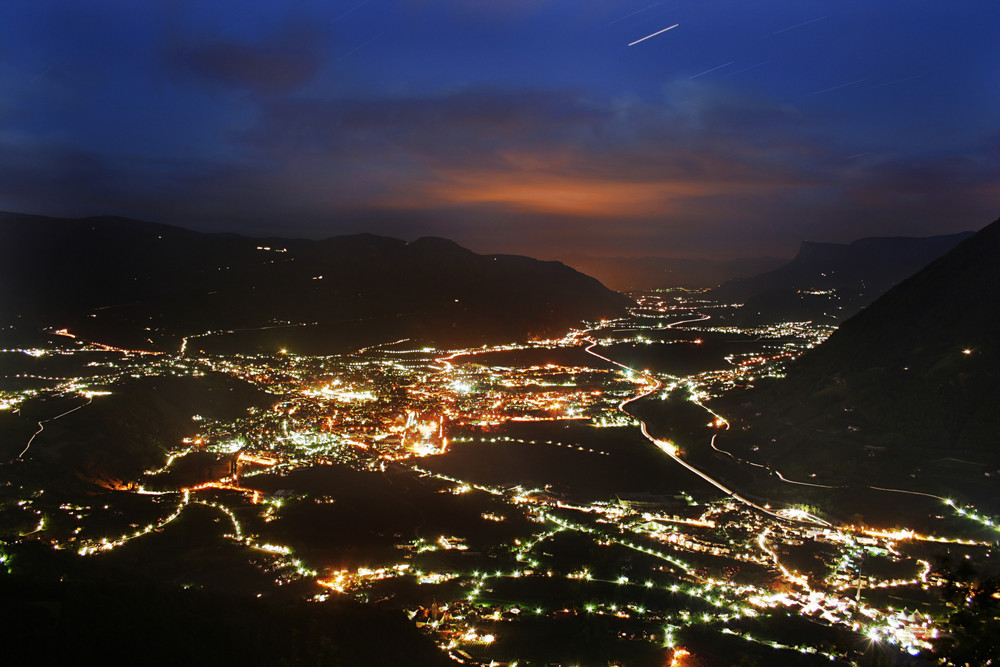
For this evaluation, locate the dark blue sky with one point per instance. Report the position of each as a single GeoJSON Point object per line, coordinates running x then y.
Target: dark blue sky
{"type": "Point", "coordinates": [509, 125]}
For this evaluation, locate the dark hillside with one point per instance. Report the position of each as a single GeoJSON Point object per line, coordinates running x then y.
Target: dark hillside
{"type": "Point", "coordinates": [905, 391]}
{"type": "Point", "coordinates": [832, 281]}
{"type": "Point", "coordinates": [145, 284]}
{"type": "Point", "coordinates": [115, 437]}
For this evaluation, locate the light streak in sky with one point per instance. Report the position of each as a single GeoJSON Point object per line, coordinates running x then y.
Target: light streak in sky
{"type": "Point", "coordinates": [359, 47]}
{"type": "Point", "coordinates": [746, 69]}
{"type": "Point", "coordinates": [708, 71]}
{"type": "Point", "coordinates": [633, 14]}
{"type": "Point", "coordinates": [893, 83]}
{"type": "Point", "coordinates": [350, 11]}
{"type": "Point", "coordinates": [843, 85]}
{"type": "Point", "coordinates": [654, 34]}
{"type": "Point", "coordinates": [797, 25]}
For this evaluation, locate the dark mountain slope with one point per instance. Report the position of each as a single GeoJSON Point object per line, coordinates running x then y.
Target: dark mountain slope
{"type": "Point", "coordinates": [114, 438]}
{"type": "Point", "coordinates": [832, 281]}
{"type": "Point", "coordinates": [130, 281]}
{"type": "Point", "coordinates": [906, 391]}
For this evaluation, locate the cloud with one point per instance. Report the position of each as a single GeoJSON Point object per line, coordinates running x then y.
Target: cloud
{"type": "Point", "coordinates": [528, 151]}
{"type": "Point", "coordinates": [447, 126]}
{"type": "Point", "coordinates": [262, 68]}
{"type": "Point", "coordinates": [700, 172]}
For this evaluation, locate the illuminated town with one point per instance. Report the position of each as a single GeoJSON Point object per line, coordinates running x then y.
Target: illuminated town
{"type": "Point", "coordinates": [502, 496]}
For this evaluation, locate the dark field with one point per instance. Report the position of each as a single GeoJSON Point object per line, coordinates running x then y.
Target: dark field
{"type": "Point", "coordinates": [345, 518]}
{"type": "Point", "coordinates": [681, 357]}
{"type": "Point", "coordinates": [634, 465]}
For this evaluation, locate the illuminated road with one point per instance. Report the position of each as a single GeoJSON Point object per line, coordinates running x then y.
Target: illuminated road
{"type": "Point", "coordinates": [184, 341]}
{"type": "Point", "coordinates": [42, 423]}
{"type": "Point", "coordinates": [669, 448]}
{"type": "Point", "coordinates": [792, 481]}
{"type": "Point", "coordinates": [773, 470]}
{"type": "Point", "coordinates": [649, 378]}
{"type": "Point", "coordinates": [697, 319]}
{"type": "Point", "coordinates": [912, 493]}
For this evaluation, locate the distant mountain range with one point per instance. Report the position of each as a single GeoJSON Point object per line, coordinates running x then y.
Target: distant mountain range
{"type": "Point", "coordinates": [832, 281]}
{"type": "Point", "coordinates": [904, 392]}
{"type": "Point", "coordinates": [146, 284]}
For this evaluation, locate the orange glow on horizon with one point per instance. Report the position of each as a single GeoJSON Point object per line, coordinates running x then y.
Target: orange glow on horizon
{"type": "Point", "coordinates": [560, 194]}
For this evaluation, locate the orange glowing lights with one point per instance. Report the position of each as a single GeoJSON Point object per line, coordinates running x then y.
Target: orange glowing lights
{"type": "Point", "coordinates": [677, 658]}
{"type": "Point", "coordinates": [259, 459]}
{"type": "Point", "coordinates": [254, 494]}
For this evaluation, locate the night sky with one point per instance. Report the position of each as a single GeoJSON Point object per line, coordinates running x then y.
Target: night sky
{"type": "Point", "coordinates": [526, 126]}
